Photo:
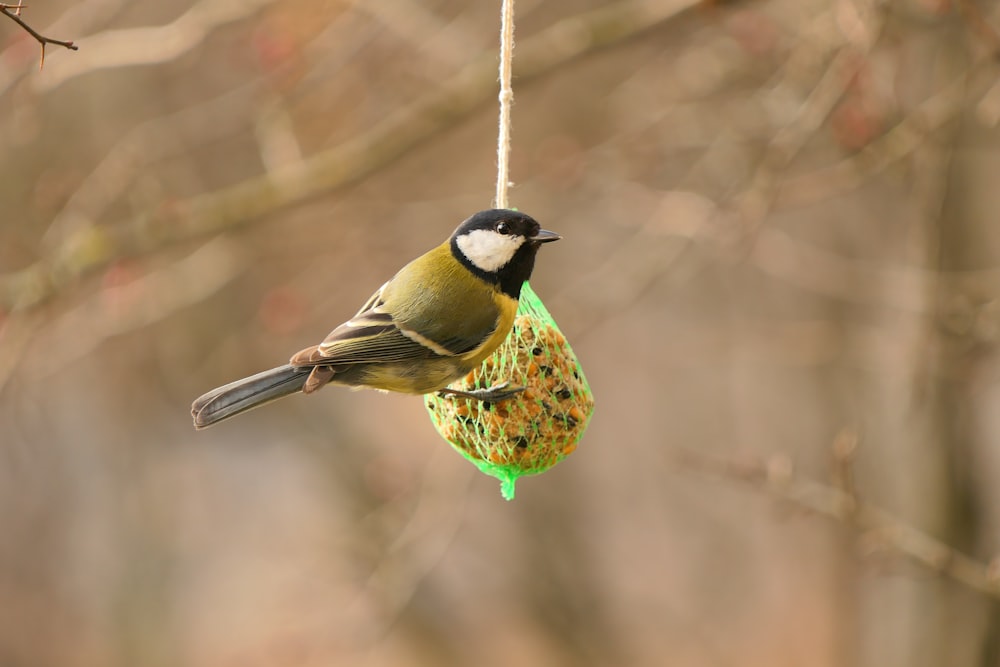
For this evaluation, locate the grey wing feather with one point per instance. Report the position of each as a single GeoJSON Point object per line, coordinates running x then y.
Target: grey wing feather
{"type": "Point", "coordinates": [371, 344]}
{"type": "Point", "coordinates": [371, 336]}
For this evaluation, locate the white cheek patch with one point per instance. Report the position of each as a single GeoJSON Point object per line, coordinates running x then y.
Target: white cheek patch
{"type": "Point", "coordinates": [487, 249]}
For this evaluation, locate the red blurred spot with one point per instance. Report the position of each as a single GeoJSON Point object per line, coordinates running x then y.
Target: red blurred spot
{"type": "Point", "coordinates": [21, 49]}
{"type": "Point", "coordinates": [386, 477]}
{"type": "Point", "coordinates": [170, 207]}
{"type": "Point", "coordinates": [120, 290]}
{"type": "Point", "coordinates": [754, 31]}
{"type": "Point", "coordinates": [282, 310]}
{"type": "Point", "coordinates": [119, 274]}
{"type": "Point", "coordinates": [854, 125]}
{"type": "Point", "coordinates": [276, 45]}
{"type": "Point", "coordinates": [273, 45]}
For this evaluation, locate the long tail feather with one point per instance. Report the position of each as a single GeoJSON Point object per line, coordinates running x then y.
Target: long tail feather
{"type": "Point", "coordinates": [242, 395]}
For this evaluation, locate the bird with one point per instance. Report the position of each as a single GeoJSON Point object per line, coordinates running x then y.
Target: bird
{"type": "Point", "coordinates": [433, 322]}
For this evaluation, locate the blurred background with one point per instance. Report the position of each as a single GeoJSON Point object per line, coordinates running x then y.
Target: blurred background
{"type": "Point", "coordinates": [780, 233]}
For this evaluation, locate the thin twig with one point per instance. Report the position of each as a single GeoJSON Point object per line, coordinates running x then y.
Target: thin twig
{"type": "Point", "coordinates": [147, 45]}
{"type": "Point", "coordinates": [506, 100]}
{"type": "Point", "coordinates": [845, 446]}
{"type": "Point", "coordinates": [13, 12]}
{"type": "Point", "coordinates": [757, 200]}
{"type": "Point", "coordinates": [973, 16]}
{"type": "Point", "coordinates": [778, 479]}
{"type": "Point", "coordinates": [896, 143]}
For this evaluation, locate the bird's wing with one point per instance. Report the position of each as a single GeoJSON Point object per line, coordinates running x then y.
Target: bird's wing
{"type": "Point", "coordinates": [411, 318]}
{"type": "Point", "coordinates": [374, 336]}
{"type": "Point", "coordinates": [363, 345]}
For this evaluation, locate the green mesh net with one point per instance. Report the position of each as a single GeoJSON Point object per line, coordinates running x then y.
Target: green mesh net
{"type": "Point", "coordinates": [537, 428]}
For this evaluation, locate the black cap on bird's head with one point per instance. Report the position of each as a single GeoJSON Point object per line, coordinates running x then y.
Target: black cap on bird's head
{"type": "Point", "coordinates": [499, 246]}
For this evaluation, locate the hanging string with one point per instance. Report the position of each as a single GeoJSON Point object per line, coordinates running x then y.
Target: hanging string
{"type": "Point", "coordinates": [506, 100]}
{"type": "Point", "coordinates": [540, 426]}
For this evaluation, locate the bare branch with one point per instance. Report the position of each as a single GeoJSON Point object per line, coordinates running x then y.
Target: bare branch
{"type": "Point", "coordinates": [148, 298]}
{"type": "Point", "coordinates": [95, 247]}
{"type": "Point", "coordinates": [777, 478]}
{"type": "Point", "coordinates": [13, 12]}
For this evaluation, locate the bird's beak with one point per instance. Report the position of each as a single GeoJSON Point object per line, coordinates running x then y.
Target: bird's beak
{"type": "Point", "coordinates": [544, 236]}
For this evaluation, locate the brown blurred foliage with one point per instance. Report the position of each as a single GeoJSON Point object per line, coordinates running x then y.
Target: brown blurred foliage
{"type": "Point", "coordinates": [780, 225]}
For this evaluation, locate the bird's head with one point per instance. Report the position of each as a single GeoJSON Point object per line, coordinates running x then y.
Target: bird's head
{"type": "Point", "coordinates": [499, 246]}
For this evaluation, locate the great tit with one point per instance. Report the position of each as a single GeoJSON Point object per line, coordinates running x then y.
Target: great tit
{"type": "Point", "coordinates": [437, 319]}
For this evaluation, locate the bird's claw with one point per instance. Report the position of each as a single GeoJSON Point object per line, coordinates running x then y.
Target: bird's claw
{"type": "Point", "coordinates": [494, 394]}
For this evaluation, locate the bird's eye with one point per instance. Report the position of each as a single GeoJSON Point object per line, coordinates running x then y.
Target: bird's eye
{"type": "Point", "coordinates": [503, 228]}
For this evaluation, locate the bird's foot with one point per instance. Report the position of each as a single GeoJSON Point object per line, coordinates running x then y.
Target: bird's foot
{"type": "Point", "coordinates": [494, 394]}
